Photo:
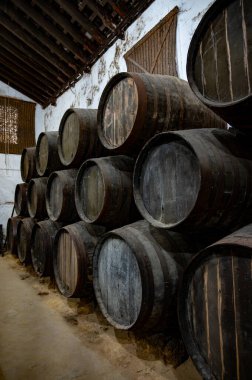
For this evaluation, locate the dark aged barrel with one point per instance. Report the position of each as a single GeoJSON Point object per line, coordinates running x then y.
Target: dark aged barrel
{"type": "Point", "coordinates": [47, 156]}
{"type": "Point", "coordinates": [134, 107]}
{"type": "Point", "coordinates": [20, 199]}
{"type": "Point", "coordinates": [28, 164]}
{"type": "Point", "coordinates": [195, 179]}
{"type": "Point", "coordinates": [24, 232]}
{"type": "Point", "coordinates": [219, 64]}
{"type": "Point", "coordinates": [72, 260]}
{"type": "Point", "coordinates": [136, 270]}
{"type": "Point", "coordinates": [12, 234]}
{"type": "Point", "coordinates": [215, 308]}
{"type": "Point", "coordinates": [43, 234]}
{"type": "Point", "coordinates": [78, 137]}
{"type": "Point", "coordinates": [36, 198]}
{"type": "Point", "coordinates": [60, 202]}
{"type": "Point", "coordinates": [103, 191]}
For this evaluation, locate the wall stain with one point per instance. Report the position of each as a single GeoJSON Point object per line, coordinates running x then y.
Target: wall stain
{"type": "Point", "coordinates": [101, 70]}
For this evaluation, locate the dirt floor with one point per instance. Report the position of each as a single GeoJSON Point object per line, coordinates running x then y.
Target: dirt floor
{"type": "Point", "coordinates": [46, 336]}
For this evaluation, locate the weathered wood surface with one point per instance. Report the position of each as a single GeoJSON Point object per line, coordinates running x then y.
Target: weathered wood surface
{"type": "Point", "coordinates": [60, 202]}
{"type": "Point", "coordinates": [195, 179]}
{"type": "Point", "coordinates": [136, 273]}
{"type": "Point", "coordinates": [36, 198]}
{"type": "Point", "coordinates": [78, 137]}
{"type": "Point", "coordinates": [42, 240]}
{"type": "Point", "coordinates": [103, 192]}
{"type": "Point", "coordinates": [72, 260]}
{"type": "Point", "coordinates": [219, 66]}
{"type": "Point", "coordinates": [24, 233]}
{"type": "Point", "coordinates": [215, 308]}
{"type": "Point", "coordinates": [134, 107]}
{"type": "Point", "coordinates": [47, 156]}
{"type": "Point", "coordinates": [11, 233]}
{"type": "Point", "coordinates": [28, 164]}
{"type": "Point", "coordinates": [20, 199]}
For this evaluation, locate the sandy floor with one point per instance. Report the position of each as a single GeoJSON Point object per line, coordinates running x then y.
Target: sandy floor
{"type": "Point", "coordinates": [45, 336]}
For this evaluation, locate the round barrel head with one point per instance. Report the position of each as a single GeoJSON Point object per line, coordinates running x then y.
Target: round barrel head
{"type": "Point", "coordinates": [119, 113]}
{"type": "Point", "coordinates": [32, 199]}
{"type": "Point", "coordinates": [167, 182]}
{"type": "Point", "coordinates": [55, 197]}
{"type": "Point", "coordinates": [69, 138]}
{"type": "Point", "coordinates": [215, 309]}
{"type": "Point", "coordinates": [90, 192]}
{"type": "Point", "coordinates": [18, 199]}
{"type": "Point", "coordinates": [42, 155]}
{"type": "Point", "coordinates": [23, 243]}
{"type": "Point", "coordinates": [66, 264]}
{"type": "Point", "coordinates": [39, 251]}
{"type": "Point", "coordinates": [117, 282]}
{"type": "Point", "coordinates": [25, 165]}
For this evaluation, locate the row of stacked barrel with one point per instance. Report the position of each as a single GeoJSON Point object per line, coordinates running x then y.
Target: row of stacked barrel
{"type": "Point", "coordinates": [153, 160]}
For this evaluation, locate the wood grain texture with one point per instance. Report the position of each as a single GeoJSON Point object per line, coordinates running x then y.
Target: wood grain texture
{"type": "Point", "coordinates": [60, 202]}
{"type": "Point", "coordinates": [215, 308]}
{"type": "Point", "coordinates": [195, 179]}
{"type": "Point", "coordinates": [42, 240]}
{"type": "Point", "coordinates": [20, 199]}
{"type": "Point", "coordinates": [36, 198]}
{"type": "Point", "coordinates": [72, 260]}
{"type": "Point", "coordinates": [136, 273]}
{"type": "Point", "coordinates": [78, 137]}
{"type": "Point", "coordinates": [219, 61]}
{"type": "Point", "coordinates": [47, 156]}
{"type": "Point", "coordinates": [11, 234]}
{"type": "Point", "coordinates": [28, 164]}
{"type": "Point", "coordinates": [103, 192]}
{"type": "Point", "coordinates": [134, 107]}
{"type": "Point", "coordinates": [24, 233]}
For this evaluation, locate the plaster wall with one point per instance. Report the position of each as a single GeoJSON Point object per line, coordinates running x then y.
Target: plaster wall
{"type": "Point", "coordinates": [10, 163]}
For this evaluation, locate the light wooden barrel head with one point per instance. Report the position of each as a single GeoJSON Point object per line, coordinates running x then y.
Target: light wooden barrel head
{"type": "Point", "coordinates": [39, 250]}
{"type": "Point", "coordinates": [56, 198]}
{"type": "Point", "coordinates": [119, 112]}
{"type": "Point", "coordinates": [70, 138]}
{"type": "Point", "coordinates": [119, 283]}
{"type": "Point", "coordinates": [170, 181]}
{"type": "Point", "coordinates": [43, 155]}
{"type": "Point", "coordinates": [223, 59]}
{"type": "Point", "coordinates": [67, 264]}
{"type": "Point", "coordinates": [23, 245]}
{"type": "Point", "coordinates": [92, 192]}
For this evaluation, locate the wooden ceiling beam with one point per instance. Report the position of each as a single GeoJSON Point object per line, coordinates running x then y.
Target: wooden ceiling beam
{"type": "Point", "coordinates": [85, 24]}
{"type": "Point", "coordinates": [35, 32]}
{"type": "Point", "coordinates": [29, 55]}
{"type": "Point", "coordinates": [50, 28]}
{"type": "Point", "coordinates": [24, 92]}
{"type": "Point", "coordinates": [22, 35]}
{"type": "Point", "coordinates": [25, 60]}
{"type": "Point", "coordinates": [101, 12]}
{"type": "Point", "coordinates": [65, 24]}
{"type": "Point", "coordinates": [17, 65]}
{"type": "Point", "coordinates": [121, 10]}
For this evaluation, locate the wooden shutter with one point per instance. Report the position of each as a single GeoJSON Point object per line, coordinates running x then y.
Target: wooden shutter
{"type": "Point", "coordinates": [155, 53]}
{"type": "Point", "coordinates": [17, 125]}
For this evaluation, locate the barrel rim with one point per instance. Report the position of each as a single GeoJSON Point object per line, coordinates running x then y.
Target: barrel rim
{"type": "Point", "coordinates": [20, 208]}
{"type": "Point", "coordinates": [39, 171]}
{"type": "Point", "coordinates": [86, 164]}
{"type": "Point", "coordinates": [182, 306]}
{"type": "Point", "coordinates": [29, 174]}
{"type": "Point", "coordinates": [211, 13]}
{"type": "Point", "coordinates": [33, 182]}
{"type": "Point", "coordinates": [61, 127]}
{"type": "Point", "coordinates": [26, 223]}
{"type": "Point", "coordinates": [12, 244]}
{"type": "Point", "coordinates": [52, 216]}
{"type": "Point", "coordinates": [140, 115]}
{"type": "Point", "coordinates": [81, 278]}
{"type": "Point", "coordinates": [33, 235]}
{"type": "Point", "coordinates": [153, 142]}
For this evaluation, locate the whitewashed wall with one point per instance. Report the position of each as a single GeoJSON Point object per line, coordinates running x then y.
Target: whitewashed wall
{"type": "Point", "coordinates": [86, 93]}
{"type": "Point", "coordinates": [10, 163]}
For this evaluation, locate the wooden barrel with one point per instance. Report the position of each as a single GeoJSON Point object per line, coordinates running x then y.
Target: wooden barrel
{"type": "Point", "coordinates": [47, 156]}
{"type": "Point", "coordinates": [20, 199]}
{"type": "Point", "coordinates": [195, 179]}
{"type": "Point", "coordinates": [219, 61]}
{"type": "Point", "coordinates": [78, 137]}
{"type": "Point", "coordinates": [72, 260]}
{"type": "Point", "coordinates": [28, 164]}
{"type": "Point", "coordinates": [134, 107]}
{"type": "Point", "coordinates": [36, 198]}
{"type": "Point", "coordinates": [60, 202]}
{"type": "Point", "coordinates": [11, 233]}
{"type": "Point", "coordinates": [104, 193]}
{"type": "Point", "coordinates": [215, 308]}
{"type": "Point", "coordinates": [136, 270]}
{"type": "Point", "coordinates": [24, 233]}
{"type": "Point", "coordinates": [42, 239]}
